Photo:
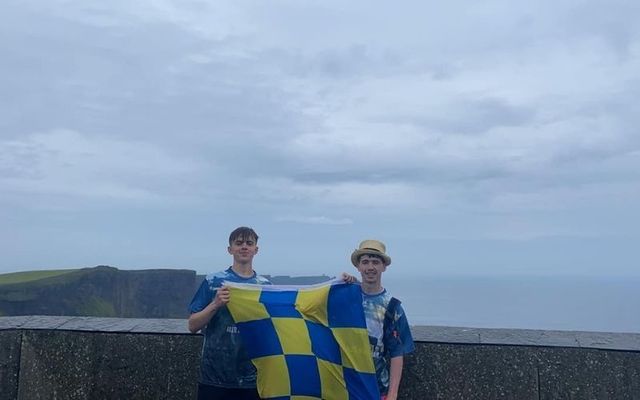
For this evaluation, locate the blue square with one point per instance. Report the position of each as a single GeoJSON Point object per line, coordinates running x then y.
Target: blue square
{"type": "Point", "coordinates": [361, 385]}
{"type": "Point", "coordinates": [304, 375]}
{"type": "Point", "coordinates": [280, 303]}
{"type": "Point", "coordinates": [323, 344]}
{"type": "Point", "coordinates": [263, 338]}
{"type": "Point", "coordinates": [344, 307]}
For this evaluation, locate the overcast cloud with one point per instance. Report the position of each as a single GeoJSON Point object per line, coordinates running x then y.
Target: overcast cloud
{"type": "Point", "coordinates": [493, 137]}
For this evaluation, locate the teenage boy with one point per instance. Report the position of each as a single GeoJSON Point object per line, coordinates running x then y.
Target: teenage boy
{"type": "Point", "coordinates": [226, 372]}
{"type": "Point", "coordinates": [387, 324]}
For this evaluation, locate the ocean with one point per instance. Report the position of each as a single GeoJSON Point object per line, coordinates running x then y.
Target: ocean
{"type": "Point", "coordinates": [550, 303]}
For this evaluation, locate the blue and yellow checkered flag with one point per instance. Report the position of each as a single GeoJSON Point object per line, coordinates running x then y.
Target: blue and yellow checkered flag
{"type": "Point", "coordinates": [307, 342]}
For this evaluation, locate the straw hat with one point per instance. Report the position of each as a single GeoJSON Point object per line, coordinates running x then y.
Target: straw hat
{"type": "Point", "coordinates": [374, 247]}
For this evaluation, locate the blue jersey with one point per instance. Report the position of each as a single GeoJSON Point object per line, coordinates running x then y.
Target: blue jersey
{"type": "Point", "coordinates": [225, 362]}
{"type": "Point", "coordinates": [387, 343]}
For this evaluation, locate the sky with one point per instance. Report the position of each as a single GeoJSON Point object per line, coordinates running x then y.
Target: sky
{"type": "Point", "coordinates": [491, 138]}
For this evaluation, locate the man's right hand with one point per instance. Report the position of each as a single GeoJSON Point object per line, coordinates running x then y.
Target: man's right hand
{"type": "Point", "coordinates": [348, 278]}
{"type": "Point", "coordinates": [200, 319]}
{"type": "Point", "coordinates": [222, 297]}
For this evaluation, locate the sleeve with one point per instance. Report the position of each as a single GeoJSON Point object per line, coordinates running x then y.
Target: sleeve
{"type": "Point", "coordinates": [399, 340]}
{"type": "Point", "coordinates": [202, 298]}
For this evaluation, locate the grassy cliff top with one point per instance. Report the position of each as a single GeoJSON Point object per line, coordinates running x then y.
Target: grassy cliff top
{"type": "Point", "coordinates": [29, 276]}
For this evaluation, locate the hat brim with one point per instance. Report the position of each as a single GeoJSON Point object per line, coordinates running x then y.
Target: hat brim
{"type": "Point", "coordinates": [357, 253]}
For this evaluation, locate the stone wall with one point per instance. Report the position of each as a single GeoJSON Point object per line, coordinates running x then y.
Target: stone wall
{"type": "Point", "coordinates": [110, 358]}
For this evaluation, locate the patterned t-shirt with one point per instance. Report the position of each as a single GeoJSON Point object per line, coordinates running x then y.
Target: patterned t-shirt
{"type": "Point", "coordinates": [225, 362]}
{"type": "Point", "coordinates": [396, 341]}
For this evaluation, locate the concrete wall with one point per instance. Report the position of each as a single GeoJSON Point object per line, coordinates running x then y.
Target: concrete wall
{"type": "Point", "coordinates": [97, 358]}
{"type": "Point", "coordinates": [104, 358]}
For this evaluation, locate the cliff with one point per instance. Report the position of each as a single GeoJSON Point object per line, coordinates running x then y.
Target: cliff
{"type": "Point", "coordinates": [102, 292]}
{"type": "Point", "coordinates": [105, 291]}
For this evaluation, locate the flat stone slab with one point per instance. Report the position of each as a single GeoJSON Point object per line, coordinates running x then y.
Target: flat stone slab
{"type": "Point", "coordinates": [94, 324]}
{"type": "Point", "coordinates": [527, 337]}
{"type": "Point", "coordinates": [429, 334]}
{"type": "Point", "coordinates": [13, 322]}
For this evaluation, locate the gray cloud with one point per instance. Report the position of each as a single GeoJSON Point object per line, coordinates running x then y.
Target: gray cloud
{"type": "Point", "coordinates": [315, 220]}
{"type": "Point", "coordinates": [493, 120]}
{"type": "Point", "coordinates": [467, 116]}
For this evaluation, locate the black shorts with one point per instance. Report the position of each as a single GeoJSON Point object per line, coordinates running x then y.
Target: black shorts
{"type": "Point", "coordinates": [208, 392]}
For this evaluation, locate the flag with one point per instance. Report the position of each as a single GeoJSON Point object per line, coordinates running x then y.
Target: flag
{"type": "Point", "coordinates": [307, 342]}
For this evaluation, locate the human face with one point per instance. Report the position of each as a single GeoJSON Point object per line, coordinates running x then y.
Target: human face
{"type": "Point", "coordinates": [243, 250]}
{"type": "Point", "coordinates": [371, 269]}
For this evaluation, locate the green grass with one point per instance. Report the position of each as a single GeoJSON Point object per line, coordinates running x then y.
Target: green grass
{"type": "Point", "coordinates": [30, 276]}
{"type": "Point", "coordinates": [96, 307]}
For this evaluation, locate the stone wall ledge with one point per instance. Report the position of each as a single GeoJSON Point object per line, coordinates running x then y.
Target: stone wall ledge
{"type": "Point", "coordinates": [426, 334]}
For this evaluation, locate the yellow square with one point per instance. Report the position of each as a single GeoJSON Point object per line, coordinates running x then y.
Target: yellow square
{"type": "Point", "coordinates": [244, 305]}
{"type": "Point", "coordinates": [312, 304]}
{"type": "Point", "coordinates": [293, 335]}
{"type": "Point", "coordinates": [332, 381]}
{"type": "Point", "coordinates": [306, 398]}
{"type": "Point", "coordinates": [273, 376]}
{"type": "Point", "coordinates": [355, 348]}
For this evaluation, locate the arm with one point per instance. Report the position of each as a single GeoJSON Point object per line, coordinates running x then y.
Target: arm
{"type": "Point", "coordinates": [400, 343]}
{"type": "Point", "coordinates": [395, 374]}
{"type": "Point", "coordinates": [200, 319]}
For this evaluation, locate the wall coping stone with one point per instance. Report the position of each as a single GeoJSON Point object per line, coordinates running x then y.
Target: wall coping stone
{"type": "Point", "coordinates": [95, 324]}
{"type": "Point", "coordinates": [430, 334]}
{"type": "Point", "coordinates": [527, 337]}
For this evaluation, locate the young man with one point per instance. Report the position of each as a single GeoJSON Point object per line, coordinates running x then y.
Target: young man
{"type": "Point", "coordinates": [387, 324]}
{"type": "Point", "coordinates": [226, 372]}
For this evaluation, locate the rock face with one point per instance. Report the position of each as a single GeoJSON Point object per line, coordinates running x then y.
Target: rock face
{"type": "Point", "coordinates": [103, 292]}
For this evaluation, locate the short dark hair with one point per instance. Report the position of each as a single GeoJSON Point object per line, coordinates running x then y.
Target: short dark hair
{"type": "Point", "coordinates": [371, 255]}
{"type": "Point", "coordinates": [243, 232]}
